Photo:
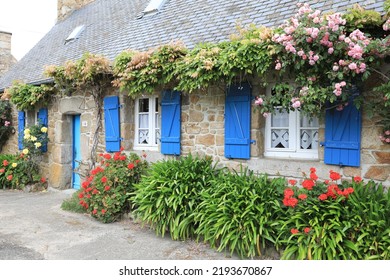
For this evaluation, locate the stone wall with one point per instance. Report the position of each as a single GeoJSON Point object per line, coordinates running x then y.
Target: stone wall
{"type": "Point", "coordinates": [6, 58]}
{"type": "Point", "coordinates": [66, 7]}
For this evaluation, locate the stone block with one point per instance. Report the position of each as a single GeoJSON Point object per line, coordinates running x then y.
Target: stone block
{"type": "Point", "coordinates": [370, 138]}
{"type": "Point", "coordinates": [196, 116]}
{"type": "Point", "coordinates": [73, 105]}
{"type": "Point", "coordinates": [352, 171]}
{"type": "Point", "coordinates": [380, 173]}
{"type": "Point", "coordinates": [62, 154]}
{"type": "Point", "coordinates": [382, 157]}
{"type": "Point", "coordinates": [207, 140]}
{"type": "Point", "coordinates": [60, 176]}
{"type": "Point", "coordinates": [192, 129]}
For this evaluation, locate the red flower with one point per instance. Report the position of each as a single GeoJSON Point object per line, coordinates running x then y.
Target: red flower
{"type": "Point", "coordinates": [290, 202]}
{"type": "Point", "coordinates": [334, 175]}
{"type": "Point", "coordinates": [81, 195]}
{"type": "Point", "coordinates": [5, 162]}
{"type": "Point", "coordinates": [116, 156]}
{"type": "Point", "coordinates": [313, 170]}
{"type": "Point", "coordinates": [2, 170]}
{"type": "Point", "coordinates": [107, 156]}
{"type": "Point", "coordinates": [313, 176]}
{"type": "Point", "coordinates": [294, 231]}
{"type": "Point", "coordinates": [104, 211]}
{"type": "Point", "coordinates": [308, 184]}
{"type": "Point", "coordinates": [357, 179]}
{"type": "Point", "coordinates": [307, 230]}
{"type": "Point", "coordinates": [43, 180]}
{"type": "Point", "coordinates": [326, 182]}
{"type": "Point", "coordinates": [104, 179]}
{"type": "Point", "coordinates": [85, 184]}
{"type": "Point", "coordinates": [137, 161]}
{"type": "Point", "coordinates": [97, 170]}
{"type": "Point", "coordinates": [130, 166]}
{"type": "Point", "coordinates": [94, 211]}
{"type": "Point", "coordinates": [302, 196]}
{"type": "Point", "coordinates": [333, 190]}
{"type": "Point", "coordinates": [292, 182]}
{"type": "Point", "coordinates": [107, 188]}
{"type": "Point", "coordinates": [123, 157]}
{"type": "Point", "coordinates": [288, 193]}
{"type": "Point", "coordinates": [9, 177]}
{"type": "Point", "coordinates": [95, 191]}
{"type": "Point", "coordinates": [121, 149]}
{"type": "Point", "coordinates": [323, 196]}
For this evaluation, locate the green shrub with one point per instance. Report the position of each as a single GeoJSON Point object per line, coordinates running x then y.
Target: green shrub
{"type": "Point", "coordinates": [238, 212]}
{"type": "Point", "coordinates": [335, 220]}
{"type": "Point", "coordinates": [17, 171]}
{"type": "Point", "coordinates": [72, 204]}
{"type": "Point", "coordinates": [168, 196]}
{"type": "Point", "coordinates": [105, 194]}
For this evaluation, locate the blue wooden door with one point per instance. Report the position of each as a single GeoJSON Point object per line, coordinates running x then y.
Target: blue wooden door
{"type": "Point", "coordinates": [76, 152]}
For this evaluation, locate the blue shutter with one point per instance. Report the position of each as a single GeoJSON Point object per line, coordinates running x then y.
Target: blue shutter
{"type": "Point", "coordinates": [237, 122]}
{"type": "Point", "coordinates": [43, 120]}
{"type": "Point", "coordinates": [342, 136]}
{"type": "Point", "coordinates": [21, 123]}
{"type": "Point", "coordinates": [170, 123]}
{"type": "Point", "coordinates": [112, 123]}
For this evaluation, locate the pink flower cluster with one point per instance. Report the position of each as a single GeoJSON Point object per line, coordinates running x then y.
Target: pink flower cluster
{"type": "Point", "coordinates": [296, 103]}
{"type": "Point", "coordinates": [385, 137]}
{"type": "Point", "coordinates": [338, 88]}
{"type": "Point", "coordinates": [386, 25]}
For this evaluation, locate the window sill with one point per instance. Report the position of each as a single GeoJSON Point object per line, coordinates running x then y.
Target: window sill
{"type": "Point", "coordinates": [296, 156]}
{"type": "Point", "coordinates": [145, 148]}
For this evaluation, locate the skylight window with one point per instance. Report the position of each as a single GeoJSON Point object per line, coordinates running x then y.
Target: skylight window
{"type": "Point", "coordinates": [154, 6]}
{"type": "Point", "coordinates": [75, 34]}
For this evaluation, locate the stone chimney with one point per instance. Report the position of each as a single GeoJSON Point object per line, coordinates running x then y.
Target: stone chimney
{"type": "Point", "coordinates": [66, 7]}
{"type": "Point", "coordinates": [6, 58]}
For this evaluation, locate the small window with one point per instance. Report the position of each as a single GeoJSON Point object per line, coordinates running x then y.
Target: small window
{"type": "Point", "coordinates": [75, 34]}
{"type": "Point", "coordinates": [147, 122]}
{"type": "Point", "coordinates": [291, 135]}
{"type": "Point", "coordinates": [154, 6]}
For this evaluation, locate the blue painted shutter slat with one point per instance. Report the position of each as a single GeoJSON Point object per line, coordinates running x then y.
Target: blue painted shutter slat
{"type": "Point", "coordinates": [170, 123]}
{"type": "Point", "coordinates": [43, 120]}
{"type": "Point", "coordinates": [112, 123]}
{"type": "Point", "coordinates": [237, 122]}
{"type": "Point", "coordinates": [21, 124]}
{"type": "Point", "coordinates": [343, 136]}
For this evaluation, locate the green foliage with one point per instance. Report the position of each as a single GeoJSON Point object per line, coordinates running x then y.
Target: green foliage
{"type": "Point", "coordinates": [17, 171]}
{"type": "Point", "coordinates": [105, 194]}
{"type": "Point", "coordinates": [386, 7]}
{"type": "Point", "coordinates": [142, 72]}
{"type": "Point", "coordinates": [72, 204]}
{"type": "Point", "coordinates": [169, 195]}
{"type": "Point", "coordinates": [359, 18]}
{"type": "Point", "coordinates": [26, 96]}
{"type": "Point", "coordinates": [6, 127]}
{"type": "Point", "coordinates": [238, 212]}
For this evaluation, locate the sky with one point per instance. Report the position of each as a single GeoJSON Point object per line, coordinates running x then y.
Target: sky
{"type": "Point", "coordinates": [28, 21]}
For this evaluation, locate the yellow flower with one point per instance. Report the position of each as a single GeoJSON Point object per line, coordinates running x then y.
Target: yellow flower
{"type": "Point", "coordinates": [27, 131]}
{"type": "Point", "coordinates": [14, 164]}
{"type": "Point", "coordinates": [27, 136]}
{"type": "Point", "coordinates": [37, 145]}
{"type": "Point", "coordinates": [44, 129]}
{"type": "Point", "coordinates": [33, 138]}
{"type": "Point", "coordinates": [25, 151]}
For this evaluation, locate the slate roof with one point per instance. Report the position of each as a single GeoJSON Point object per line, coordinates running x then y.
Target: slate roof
{"type": "Point", "coordinates": [113, 26]}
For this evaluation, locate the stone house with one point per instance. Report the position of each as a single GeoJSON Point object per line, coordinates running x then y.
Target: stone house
{"type": "Point", "coordinates": [285, 144]}
{"type": "Point", "coordinates": [6, 58]}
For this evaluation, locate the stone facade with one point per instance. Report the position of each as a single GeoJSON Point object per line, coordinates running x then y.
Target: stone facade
{"type": "Point", "coordinates": [6, 58]}
{"type": "Point", "coordinates": [66, 7]}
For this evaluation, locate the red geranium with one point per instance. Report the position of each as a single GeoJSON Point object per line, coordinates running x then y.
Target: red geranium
{"type": "Point", "coordinates": [107, 188]}
{"type": "Point", "coordinates": [104, 211]}
{"type": "Point", "coordinates": [9, 177]}
{"type": "Point", "coordinates": [294, 231]}
{"type": "Point", "coordinates": [104, 179]}
{"type": "Point", "coordinates": [323, 196]}
{"type": "Point", "coordinates": [290, 202]}
{"type": "Point", "coordinates": [307, 230]}
{"type": "Point", "coordinates": [43, 180]}
{"type": "Point", "coordinates": [313, 176]}
{"type": "Point", "coordinates": [94, 211]}
{"type": "Point", "coordinates": [357, 179]}
{"type": "Point", "coordinates": [334, 175]}
{"type": "Point", "coordinates": [2, 170]}
{"type": "Point", "coordinates": [308, 184]}
{"type": "Point", "coordinates": [313, 170]}
{"type": "Point", "coordinates": [288, 192]}
{"type": "Point", "coordinates": [302, 196]}
{"type": "Point", "coordinates": [107, 156]}
{"type": "Point", "coordinates": [130, 166]}
{"type": "Point", "coordinates": [5, 162]}
{"type": "Point", "coordinates": [292, 182]}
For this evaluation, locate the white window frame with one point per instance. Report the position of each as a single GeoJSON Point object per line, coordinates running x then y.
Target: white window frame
{"type": "Point", "coordinates": [294, 151]}
{"type": "Point", "coordinates": [153, 102]}
{"type": "Point", "coordinates": [31, 117]}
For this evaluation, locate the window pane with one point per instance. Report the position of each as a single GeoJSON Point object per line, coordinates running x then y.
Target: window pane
{"type": "Point", "coordinates": [143, 105]}
{"type": "Point", "coordinates": [143, 136]}
{"type": "Point", "coordinates": [309, 121]}
{"type": "Point", "coordinates": [280, 138]}
{"type": "Point", "coordinates": [156, 105]}
{"type": "Point", "coordinates": [280, 119]}
{"type": "Point", "coordinates": [309, 139]}
{"type": "Point", "coordinates": [143, 121]}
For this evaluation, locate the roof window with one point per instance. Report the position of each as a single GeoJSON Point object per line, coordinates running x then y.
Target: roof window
{"type": "Point", "coordinates": [154, 6]}
{"type": "Point", "coordinates": [75, 34]}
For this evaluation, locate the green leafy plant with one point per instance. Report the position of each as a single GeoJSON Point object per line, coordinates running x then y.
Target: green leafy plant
{"type": "Point", "coordinates": [72, 204]}
{"type": "Point", "coordinates": [17, 172]}
{"type": "Point", "coordinates": [105, 193]}
{"type": "Point", "coordinates": [359, 18]}
{"type": "Point", "coordinates": [169, 194]}
{"type": "Point", "coordinates": [238, 212]}
{"type": "Point", "coordinates": [34, 141]}
{"type": "Point", "coordinates": [6, 127]}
